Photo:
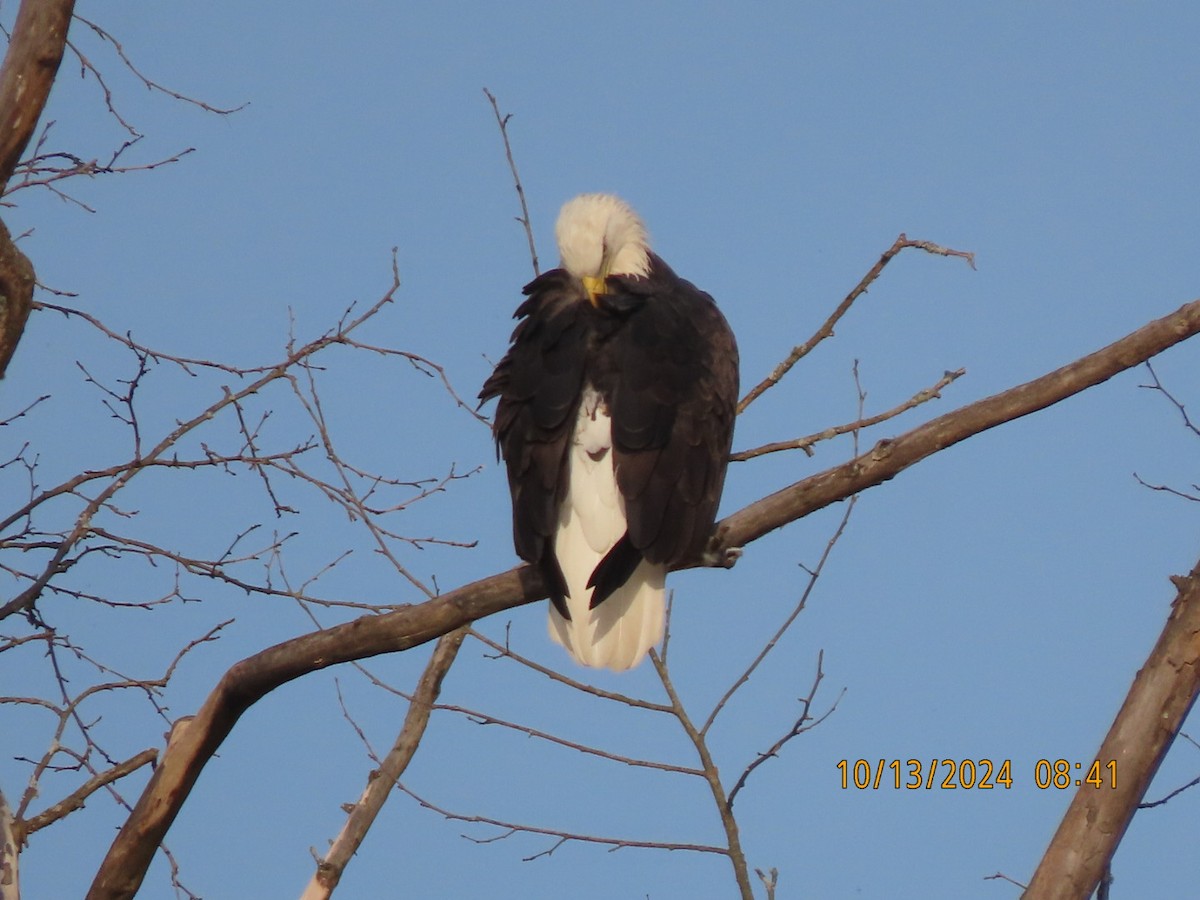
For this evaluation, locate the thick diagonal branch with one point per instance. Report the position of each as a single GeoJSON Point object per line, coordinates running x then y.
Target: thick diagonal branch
{"type": "Point", "coordinates": [251, 679]}
{"type": "Point", "coordinates": [34, 53]}
{"type": "Point", "coordinates": [39, 37]}
{"type": "Point", "coordinates": [888, 458]}
{"type": "Point", "coordinates": [1159, 700]}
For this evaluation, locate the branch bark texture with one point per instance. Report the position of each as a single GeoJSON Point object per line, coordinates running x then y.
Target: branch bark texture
{"type": "Point", "coordinates": [382, 780]}
{"type": "Point", "coordinates": [194, 740]}
{"type": "Point", "coordinates": [34, 53]}
{"type": "Point", "coordinates": [10, 856]}
{"type": "Point", "coordinates": [1159, 700]}
{"type": "Point", "coordinates": [248, 681]}
{"type": "Point", "coordinates": [888, 458]}
{"type": "Point", "coordinates": [38, 40]}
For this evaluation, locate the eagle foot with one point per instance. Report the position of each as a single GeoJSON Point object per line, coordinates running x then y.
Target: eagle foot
{"type": "Point", "coordinates": [721, 557]}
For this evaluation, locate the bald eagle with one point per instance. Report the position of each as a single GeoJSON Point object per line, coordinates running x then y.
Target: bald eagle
{"type": "Point", "coordinates": [616, 406]}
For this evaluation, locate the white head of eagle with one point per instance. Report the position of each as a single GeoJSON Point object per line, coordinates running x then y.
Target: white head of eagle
{"type": "Point", "coordinates": [616, 405]}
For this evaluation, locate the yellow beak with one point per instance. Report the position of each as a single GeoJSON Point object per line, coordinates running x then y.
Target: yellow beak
{"type": "Point", "coordinates": [595, 286]}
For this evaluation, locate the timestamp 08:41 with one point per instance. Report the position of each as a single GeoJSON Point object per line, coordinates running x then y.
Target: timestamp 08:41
{"type": "Point", "coordinates": [971, 774]}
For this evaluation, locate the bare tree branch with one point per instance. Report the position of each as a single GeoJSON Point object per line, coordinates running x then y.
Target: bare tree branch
{"type": "Point", "coordinates": [161, 450]}
{"type": "Point", "coordinates": [713, 776]}
{"type": "Point", "coordinates": [150, 85]}
{"type": "Point", "coordinates": [78, 797]}
{"type": "Point", "coordinates": [1183, 413]}
{"type": "Point", "coordinates": [502, 122]}
{"type": "Point", "coordinates": [1167, 489]}
{"type": "Point", "coordinates": [34, 54]}
{"type": "Point", "coordinates": [813, 575]}
{"type": "Point", "coordinates": [193, 744]}
{"type": "Point", "coordinates": [46, 169]}
{"type": "Point", "coordinates": [1000, 876]}
{"type": "Point", "coordinates": [381, 781]}
{"type": "Point", "coordinates": [806, 722]}
{"type": "Point", "coordinates": [1162, 694]}
{"type": "Point", "coordinates": [770, 881]}
{"type": "Point", "coordinates": [10, 856]}
{"type": "Point", "coordinates": [826, 329]}
{"type": "Point", "coordinates": [30, 66]}
{"type": "Point", "coordinates": [890, 457]}
{"type": "Point", "coordinates": [1152, 804]}
{"type": "Point", "coordinates": [933, 392]}
{"type": "Point", "coordinates": [480, 718]}
{"type": "Point", "coordinates": [251, 679]}
{"type": "Point", "coordinates": [511, 828]}
{"type": "Point", "coordinates": [506, 652]}
{"type": "Point", "coordinates": [16, 296]}
{"type": "Point", "coordinates": [1171, 796]}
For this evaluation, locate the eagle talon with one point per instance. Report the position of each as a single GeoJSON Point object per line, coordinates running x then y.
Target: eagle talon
{"type": "Point", "coordinates": [721, 557]}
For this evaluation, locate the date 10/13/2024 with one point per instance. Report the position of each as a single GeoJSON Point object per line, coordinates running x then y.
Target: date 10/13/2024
{"type": "Point", "coordinates": [971, 774]}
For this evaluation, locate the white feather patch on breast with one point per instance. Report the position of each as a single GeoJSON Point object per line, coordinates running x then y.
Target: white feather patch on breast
{"type": "Point", "coordinates": [618, 633]}
{"type": "Point", "coordinates": [593, 429]}
{"type": "Point", "coordinates": [593, 497]}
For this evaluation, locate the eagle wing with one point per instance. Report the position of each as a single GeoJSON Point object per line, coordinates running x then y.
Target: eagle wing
{"type": "Point", "coordinates": [665, 361]}
{"type": "Point", "coordinates": [673, 401]}
{"type": "Point", "coordinates": [539, 382]}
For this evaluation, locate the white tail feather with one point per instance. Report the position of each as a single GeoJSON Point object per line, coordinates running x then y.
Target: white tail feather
{"type": "Point", "coordinates": [620, 631]}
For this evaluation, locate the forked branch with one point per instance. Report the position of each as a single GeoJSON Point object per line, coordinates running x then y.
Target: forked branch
{"type": "Point", "coordinates": [34, 54]}
{"type": "Point", "coordinates": [1162, 694]}
{"type": "Point", "coordinates": [933, 392]}
{"type": "Point", "coordinates": [826, 329]}
{"type": "Point", "coordinates": [508, 829]}
{"type": "Point", "coordinates": [248, 681]}
{"type": "Point", "coordinates": [381, 781]}
{"type": "Point", "coordinates": [888, 458]}
{"type": "Point", "coordinates": [712, 775]}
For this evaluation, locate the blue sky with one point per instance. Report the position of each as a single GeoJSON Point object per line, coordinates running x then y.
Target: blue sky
{"type": "Point", "coordinates": [992, 603]}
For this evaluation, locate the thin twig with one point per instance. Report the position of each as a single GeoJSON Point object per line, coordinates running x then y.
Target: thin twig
{"type": "Point", "coordinates": [1167, 489]}
{"type": "Point", "coordinates": [1175, 793]}
{"type": "Point", "coordinates": [380, 782]}
{"type": "Point", "coordinates": [153, 85]}
{"type": "Point", "coordinates": [1158, 386]}
{"type": "Point", "coordinates": [502, 121]}
{"type": "Point", "coordinates": [1000, 876]}
{"type": "Point", "coordinates": [813, 575]}
{"type": "Point", "coordinates": [737, 858]}
{"type": "Point", "coordinates": [38, 172]}
{"type": "Point", "coordinates": [1184, 736]}
{"type": "Point", "coordinates": [512, 828]}
{"type": "Point", "coordinates": [486, 719]}
{"type": "Point", "coordinates": [826, 329]}
{"type": "Point", "coordinates": [75, 800]}
{"type": "Point", "coordinates": [503, 651]}
{"type": "Point", "coordinates": [933, 392]}
{"type": "Point", "coordinates": [770, 880]}
{"type": "Point", "coordinates": [804, 723]}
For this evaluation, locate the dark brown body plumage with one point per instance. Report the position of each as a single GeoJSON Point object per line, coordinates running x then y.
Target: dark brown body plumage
{"type": "Point", "coordinates": [665, 362]}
